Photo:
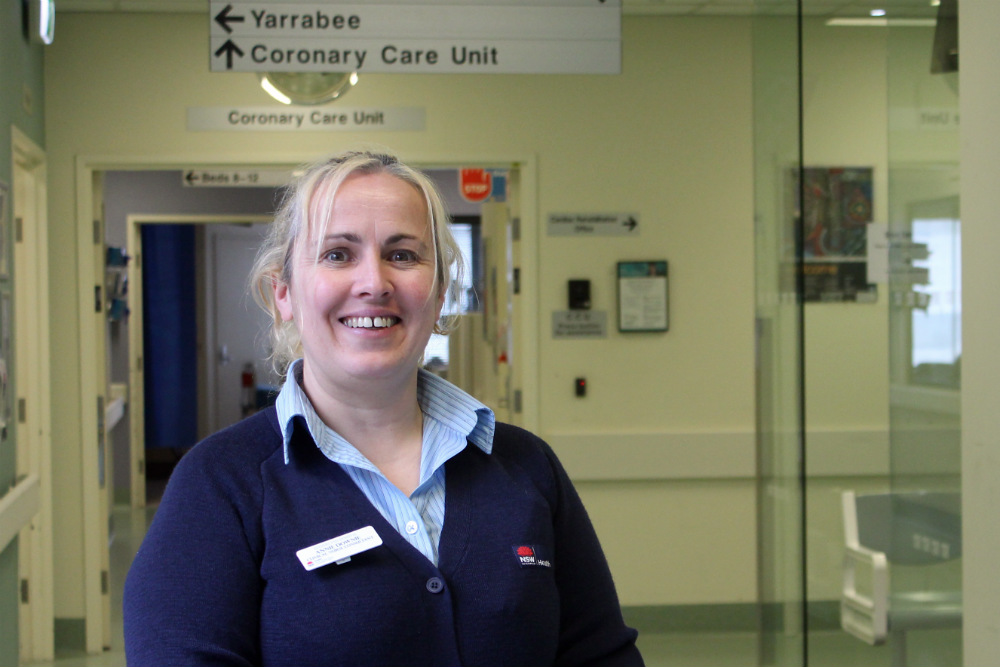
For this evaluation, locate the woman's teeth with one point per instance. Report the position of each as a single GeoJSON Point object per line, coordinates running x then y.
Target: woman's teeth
{"type": "Point", "coordinates": [370, 322]}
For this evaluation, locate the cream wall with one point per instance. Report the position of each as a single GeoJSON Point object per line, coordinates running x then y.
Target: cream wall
{"type": "Point", "coordinates": [980, 146]}
{"type": "Point", "coordinates": [663, 446]}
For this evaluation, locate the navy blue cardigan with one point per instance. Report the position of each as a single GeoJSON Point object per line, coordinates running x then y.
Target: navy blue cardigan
{"type": "Point", "coordinates": [216, 580]}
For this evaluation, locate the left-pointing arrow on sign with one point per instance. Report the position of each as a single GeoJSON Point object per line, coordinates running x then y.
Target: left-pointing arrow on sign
{"type": "Point", "coordinates": [224, 19]}
{"type": "Point", "coordinates": [229, 49]}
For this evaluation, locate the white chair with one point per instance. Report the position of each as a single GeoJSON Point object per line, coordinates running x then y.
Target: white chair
{"type": "Point", "coordinates": [922, 529]}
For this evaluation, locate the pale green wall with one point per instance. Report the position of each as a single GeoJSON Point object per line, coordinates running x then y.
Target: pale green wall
{"type": "Point", "coordinates": [670, 138]}
{"type": "Point", "coordinates": [20, 105]}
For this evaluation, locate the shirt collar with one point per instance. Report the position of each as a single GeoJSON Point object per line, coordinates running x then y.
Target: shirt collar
{"type": "Point", "coordinates": [438, 399]}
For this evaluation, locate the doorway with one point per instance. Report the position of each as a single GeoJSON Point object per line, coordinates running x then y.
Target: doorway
{"type": "Point", "coordinates": [225, 326]}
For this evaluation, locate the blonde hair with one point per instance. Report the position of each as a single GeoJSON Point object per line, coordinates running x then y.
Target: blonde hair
{"type": "Point", "coordinates": [308, 201]}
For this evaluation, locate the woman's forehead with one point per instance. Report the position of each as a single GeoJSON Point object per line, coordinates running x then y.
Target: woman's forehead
{"type": "Point", "coordinates": [391, 202]}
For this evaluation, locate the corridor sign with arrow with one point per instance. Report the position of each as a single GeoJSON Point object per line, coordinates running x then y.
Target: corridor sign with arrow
{"type": "Point", "coordinates": [427, 36]}
{"type": "Point", "coordinates": [593, 224]}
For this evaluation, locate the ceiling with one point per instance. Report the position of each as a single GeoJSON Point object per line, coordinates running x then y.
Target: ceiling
{"type": "Point", "coordinates": [907, 9]}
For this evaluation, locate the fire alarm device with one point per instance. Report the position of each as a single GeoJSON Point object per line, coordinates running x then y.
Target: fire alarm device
{"type": "Point", "coordinates": [579, 295]}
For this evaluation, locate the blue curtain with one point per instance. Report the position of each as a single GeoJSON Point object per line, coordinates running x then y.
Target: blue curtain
{"type": "Point", "coordinates": [170, 331]}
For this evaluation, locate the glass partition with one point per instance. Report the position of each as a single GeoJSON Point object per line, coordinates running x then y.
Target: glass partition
{"type": "Point", "coordinates": [858, 231]}
{"type": "Point", "coordinates": [778, 318]}
{"type": "Point", "coordinates": [881, 335]}
{"type": "Point", "coordinates": [925, 331]}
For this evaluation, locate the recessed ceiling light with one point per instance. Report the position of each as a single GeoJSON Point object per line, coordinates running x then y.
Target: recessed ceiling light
{"type": "Point", "coordinates": [877, 12]}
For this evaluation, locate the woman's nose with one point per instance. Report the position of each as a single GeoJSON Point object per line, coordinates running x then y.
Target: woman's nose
{"type": "Point", "coordinates": [372, 279]}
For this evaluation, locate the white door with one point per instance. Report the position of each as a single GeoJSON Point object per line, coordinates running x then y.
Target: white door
{"type": "Point", "coordinates": [237, 336]}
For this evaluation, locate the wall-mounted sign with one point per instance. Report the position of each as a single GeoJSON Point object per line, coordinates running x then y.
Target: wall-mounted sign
{"type": "Point", "coordinates": [296, 119]}
{"type": "Point", "coordinates": [460, 36]}
{"type": "Point", "coordinates": [642, 296]}
{"type": "Point", "coordinates": [235, 178]}
{"type": "Point", "coordinates": [593, 224]}
{"type": "Point", "coordinates": [579, 324]}
{"type": "Point", "coordinates": [475, 184]}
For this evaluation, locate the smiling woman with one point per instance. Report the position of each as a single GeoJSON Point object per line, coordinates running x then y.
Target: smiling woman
{"type": "Point", "coordinates": [315, 532]}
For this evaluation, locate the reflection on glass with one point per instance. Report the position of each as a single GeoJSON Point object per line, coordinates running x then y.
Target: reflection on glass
{"type": "Point", "coordinates": [937, 324]}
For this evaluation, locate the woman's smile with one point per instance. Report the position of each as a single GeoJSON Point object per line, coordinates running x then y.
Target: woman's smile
{"type": "Point", "coordinates": [370, 322]}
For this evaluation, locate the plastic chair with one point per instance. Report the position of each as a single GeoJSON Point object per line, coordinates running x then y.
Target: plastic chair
{"type": "Point", "coordinates": [906, 529]}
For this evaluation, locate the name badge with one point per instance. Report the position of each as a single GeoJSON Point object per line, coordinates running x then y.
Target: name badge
{"type": "Point", "coordinates": [339, 549]}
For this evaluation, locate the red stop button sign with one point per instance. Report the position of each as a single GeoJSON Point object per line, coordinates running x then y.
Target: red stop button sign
{"type": "Point", "coordinates": [476, 185]}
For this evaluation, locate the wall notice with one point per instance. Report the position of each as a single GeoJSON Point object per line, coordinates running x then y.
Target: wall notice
{"type": "Point", "coordinates": [642, 296]}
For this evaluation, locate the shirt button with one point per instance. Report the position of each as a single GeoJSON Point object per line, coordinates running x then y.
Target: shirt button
{"type": "Point", "coordinates": [411, 527]}
{"type": "Point", "coordinates": [435, 585]}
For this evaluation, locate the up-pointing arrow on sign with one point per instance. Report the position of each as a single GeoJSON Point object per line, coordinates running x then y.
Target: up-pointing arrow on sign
{"type": "Point", "coordinates": [229, 49]}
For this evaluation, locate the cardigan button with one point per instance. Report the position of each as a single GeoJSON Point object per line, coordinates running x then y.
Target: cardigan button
{"type": "Point", "coordinates": [435, 585]}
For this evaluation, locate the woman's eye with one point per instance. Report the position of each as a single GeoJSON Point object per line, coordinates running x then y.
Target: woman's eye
{"type": "Point", "coordinates": [335, 255]}
{"type": "Point", "coordinates": [403, 256]}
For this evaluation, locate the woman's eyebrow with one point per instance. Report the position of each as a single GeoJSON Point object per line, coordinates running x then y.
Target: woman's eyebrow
{"type": "Point", "coordinates": [396, 238]}
{"type": "Point", "coordinates": [343, 236]}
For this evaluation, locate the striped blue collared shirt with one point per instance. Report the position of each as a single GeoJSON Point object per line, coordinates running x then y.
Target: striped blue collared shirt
{"type": "Point", "coordinates": [452, 418]}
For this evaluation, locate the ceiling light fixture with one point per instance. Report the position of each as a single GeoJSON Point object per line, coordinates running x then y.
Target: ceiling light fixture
{"type": "Point", "coordinates": [881, 22]}
{"type": "Point", "coordinates": [307, 87]}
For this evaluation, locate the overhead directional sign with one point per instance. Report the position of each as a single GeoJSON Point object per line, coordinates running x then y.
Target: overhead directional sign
{"type": "Point", "coordinates": [235, 178]}
{"type": "Point", "coordinates": [428, 36]}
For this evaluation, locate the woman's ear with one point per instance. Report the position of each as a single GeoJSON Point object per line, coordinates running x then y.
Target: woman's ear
{"type": "Point", "coordinates": [283, 300]}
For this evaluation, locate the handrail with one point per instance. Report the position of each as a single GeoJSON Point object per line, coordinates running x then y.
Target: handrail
{"type": "Point", "coordinates": [18, 507]}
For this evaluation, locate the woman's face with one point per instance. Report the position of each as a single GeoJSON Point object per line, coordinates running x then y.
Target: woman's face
{"type": "Point", "coordinates": [366, 308]}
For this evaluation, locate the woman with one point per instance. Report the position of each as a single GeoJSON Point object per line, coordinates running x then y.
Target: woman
{"type": "Point", "coordinates": [377, 515]}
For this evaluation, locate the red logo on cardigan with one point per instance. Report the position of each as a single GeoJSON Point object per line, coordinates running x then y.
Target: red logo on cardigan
{"type": "Point", "coordinates": [528, 556]}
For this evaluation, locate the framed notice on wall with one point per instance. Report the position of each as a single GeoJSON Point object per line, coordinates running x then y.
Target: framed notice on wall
{"type": "Point", "coordinates": [642, 296]}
